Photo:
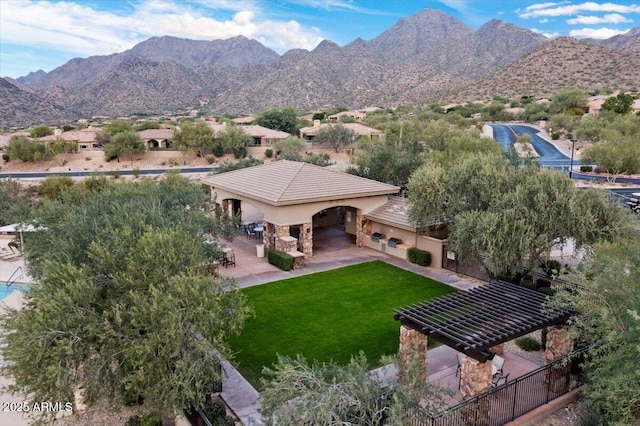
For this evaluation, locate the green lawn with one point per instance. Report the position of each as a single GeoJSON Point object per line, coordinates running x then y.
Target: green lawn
{"type": "Point", "coordinates": [329, 315]}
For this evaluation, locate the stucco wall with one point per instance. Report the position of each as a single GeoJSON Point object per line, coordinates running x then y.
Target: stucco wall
{"type": "Point", "coordinates": [433, 246]}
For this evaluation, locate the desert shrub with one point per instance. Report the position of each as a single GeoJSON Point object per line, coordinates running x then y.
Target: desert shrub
{"type": "Point", "coordinates": [149, 419]}
{"type": "Point", "coordinates": [420, 257]}
{"type": "Point", "coordinates": [228, 166]}
{"type": "Point", "coordinates": [268, 153]}
{"type": "Point", "coordinates": [210, 159]}
{"type": "Point", "coordinates": [280, 259]}
{"type": "Point", "coordinates": [136, 172]}
{"type": "Point", "coordinates": [586, 168]}
{"type": "Point", "coordinates": [54, 186]}
{"type": "Point", "coordinates": [599, 170]}
{"type": "Point", "coordinates": [240, 152]}
{"type": "Point", "coordinates": [6, 157]}
{"type": "Point", "coordinates": [218, 150]}
{"type": "Point", "coordinates": [528, 344]}
{"type": "Point", "coordinates": [555, 136]}
{"type": "Point", "coordinates": [547, 290]}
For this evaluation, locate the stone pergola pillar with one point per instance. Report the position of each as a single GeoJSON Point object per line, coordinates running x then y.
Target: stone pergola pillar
{"type": "Point", "coordinates": [475, 376]}
{"type": "Point", "coordinates": [413, 353]}
{"type": "Point", "coordinates": [306, 238]}
{"type": "Point", "coordinates": [498, 349]}
{"type": "Point", "coordinates": [359, 229]}
{"type": "Point", "coordinates": [559, 344]}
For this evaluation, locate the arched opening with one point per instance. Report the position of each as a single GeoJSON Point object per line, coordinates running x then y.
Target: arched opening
{"type": "Point", "coordinates": [334, 229]}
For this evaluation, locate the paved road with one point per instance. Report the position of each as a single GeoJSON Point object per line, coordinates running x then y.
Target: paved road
{"type": "Point", "coordinates": [550, 156]}
{"type": "Point", "coordinates": [38, 175]}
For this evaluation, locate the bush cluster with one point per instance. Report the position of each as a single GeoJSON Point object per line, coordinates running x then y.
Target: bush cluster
{"type": "Point", "coordinates": [216, 412]}
{"type": "Point", "coordinates": [528, 344]}
{"type": "Point", "coordinates": [149, 419]}
{"type": "Point", "coordinates": [280, 259]}
{"type": "Point", "coordinates": [420, 257]}
{"type": "Point", "coordinates": [586, 168]}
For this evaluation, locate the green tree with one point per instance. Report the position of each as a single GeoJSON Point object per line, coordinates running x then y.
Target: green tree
{"type": "Point", "coordinates": [608, 320]}
{"type": "Point", "coordinates": [617, 150]}
{"type": "Point", "coordinates": [568, 99]}
{"type": "Point", "coordinates": [290, 148]}
{"type": "Point", "coordinates": [234, 138]}
{"type": "Point", "coordinates": [122, 306]}
{"type": "Point", "coordinates": [336, 136]}
{"type": "Point", "coordinates": [194, 137]}
{"type": "Point", "coordinates": [506, 215]}
{"type": "Point", "coordinates": [125, 143]}
{"type": "Point", "coordinates": [284, 119]}
{"type": "Point", "coordinates": [620, 104]}
{"type": "Point", "coordinates": [14, 204]}
{"type": "Point", "coordinates": [54, 187]}
{"type": "Point", "coordinates": [59, 148]}
{"type": "Point", "coordinates": [23, 148]}
{"type": "Point", "coordinates": [296, 393]}
{"type": "Point", "coordinates": [118, 126]}
{"type": "Point", "coordinates": [146, 125]}
{"type": "Point", "coordinates": [40, 132]}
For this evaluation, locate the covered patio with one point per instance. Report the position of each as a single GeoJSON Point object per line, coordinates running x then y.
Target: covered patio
{"type": "Point", "coordinates": [293, 198]}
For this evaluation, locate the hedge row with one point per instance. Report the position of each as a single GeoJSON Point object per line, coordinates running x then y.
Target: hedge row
{"type": "Point", "coordinates": [420, 257]}
{"type": "Point", "coordinates": [280, 259]}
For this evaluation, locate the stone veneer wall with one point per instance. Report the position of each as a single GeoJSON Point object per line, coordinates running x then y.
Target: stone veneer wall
{"type": "Point", "coordinates": [359, 229]}
{"type": "Point", "coordinates": [498, 349]}
{"type": "Point", "coordinates": [269, 230]}
{"type": "Point", "coordinates": [413, 350]}
{"type": "Point", "coordinates": [281, 231]}
{"type": "Point", "coordinates": [559, 343]}
{"type": "Point", "coordinates": [475, 377]}
{"type": "Point", "coordinates": [306, 239]}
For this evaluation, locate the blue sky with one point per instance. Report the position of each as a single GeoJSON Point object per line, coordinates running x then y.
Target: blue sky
{"type": "Point", "coordinates": [46, 34]}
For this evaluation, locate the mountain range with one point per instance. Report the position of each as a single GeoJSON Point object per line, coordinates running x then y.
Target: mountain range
{"type": "Point", "coordinates": [426, 57]}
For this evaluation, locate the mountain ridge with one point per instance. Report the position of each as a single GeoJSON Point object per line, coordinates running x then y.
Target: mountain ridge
{"type": "Point", "coordinates": [425, 57]}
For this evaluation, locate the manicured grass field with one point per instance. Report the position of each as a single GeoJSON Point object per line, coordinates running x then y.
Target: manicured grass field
{"type": "Point", "coordinates": [329, 315]}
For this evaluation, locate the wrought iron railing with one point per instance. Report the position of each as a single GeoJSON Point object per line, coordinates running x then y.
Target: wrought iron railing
{"type": "Point", "coordinates": [505, 403]}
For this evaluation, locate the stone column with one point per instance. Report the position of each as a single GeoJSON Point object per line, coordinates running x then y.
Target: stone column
{"type": "Point", "coordinates": [413, 353]}
{"type": "Point", "coordinates": [281, 231]}
{"type": "Point", "coordinates": [267, 239]}
{"type": "Point", "coordinates": [359, 229]}
{"type": "Point", "coordinates": [559, 344]}
{"type": "Point", "coordinates": [475, 377]}
{"type": "Point", "coordinates": [306, 238]}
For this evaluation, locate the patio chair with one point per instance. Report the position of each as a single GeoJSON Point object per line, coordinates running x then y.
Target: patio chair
{"type": "Point", "coordinates": [499, 380]}
{"type": "Point", "coordinates": [461, 356]}
{"type": "Point", "coordinates": [498, 364]}
{"type": "Point", "coordinates": [229, 258]}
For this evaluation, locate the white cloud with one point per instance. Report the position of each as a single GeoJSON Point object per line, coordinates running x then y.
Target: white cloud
{"type": "Point", "coordinates": [596, 33]}
{"type": "Point", "coordinates": [550, 9]}
{"type": "Point", "coordinates": [84, 31]}
{"type": "Point", "coordinates": [612, 18]}
{"type": "Point", "coordinates": [546, 34]}
{"type": "Point", "coordinates": [544, 21]}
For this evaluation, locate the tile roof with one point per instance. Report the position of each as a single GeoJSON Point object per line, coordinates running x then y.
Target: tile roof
{"type": "Point", "coordinates": [291, 182]}
{"type": "Point", "coordinates": [84, 135]}
{"type": "Point", "coordinates": [156, 134]}
{"type": "Point", "coordinates": [394, 212]}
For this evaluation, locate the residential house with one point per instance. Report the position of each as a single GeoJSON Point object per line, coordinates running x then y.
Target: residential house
{"type": "Point", "coordinates": [156, 138]}
{"type": "Point", "coordinates": [85, 139]}
{"type": "Point", "coordinates": [309, 133]}
{"type": "Point", "coordinates": [357, 115]}
{"type": "Point", "coordinates": [262, 136]}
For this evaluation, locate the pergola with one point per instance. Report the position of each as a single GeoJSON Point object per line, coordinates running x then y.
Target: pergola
{"type": "Point", "coordinates": [474, 321]}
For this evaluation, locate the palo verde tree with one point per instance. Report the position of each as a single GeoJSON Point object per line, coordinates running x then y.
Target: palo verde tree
{"type": "Point", "coordinates": [335, 136]}
{"type": "Point", "coordinates": [23, 148]}
{"type": "Point", "coordinates": [509, 216]}
{"type": "Point", "coordinates": [193, 137]}
{"type": "Point", "coordinates": [59, 149]}
{"type": "Point", "coordinates": [125, 143]}
{"type": "Point", "coordinates": [620, 104]}
{"type": "Point", "coordinates": [121, 306]}
{"type": "Point", "coordinates": [607, 307]}
{"type": "Point", "coordinates": [234, 138]}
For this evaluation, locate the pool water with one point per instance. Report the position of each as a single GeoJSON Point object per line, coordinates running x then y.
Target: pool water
{"type": "Point", "coordinates": [5, 291]}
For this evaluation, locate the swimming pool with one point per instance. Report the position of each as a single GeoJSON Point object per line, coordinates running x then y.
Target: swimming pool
{"type": "Point", "coordinates": [5, 291]}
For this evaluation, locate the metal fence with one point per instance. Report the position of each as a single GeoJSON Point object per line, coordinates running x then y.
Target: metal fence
{"type": "Point", "coordinates": [505, 403]}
